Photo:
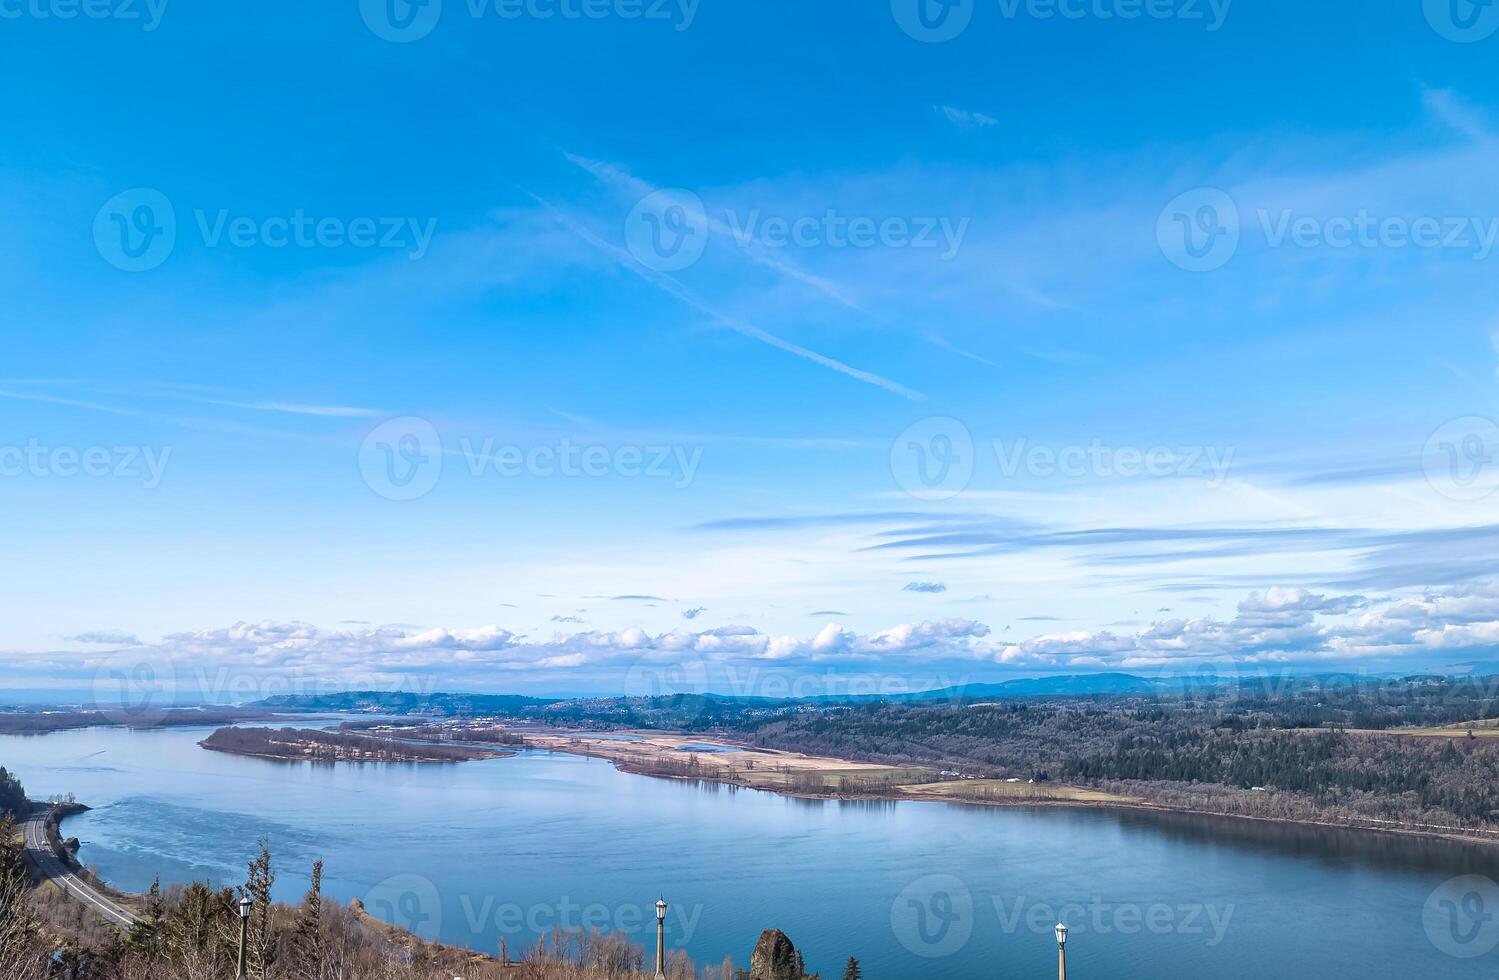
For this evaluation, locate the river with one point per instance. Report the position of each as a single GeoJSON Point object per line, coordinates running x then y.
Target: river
{"type": "Point", "coordinates": [508, 848]}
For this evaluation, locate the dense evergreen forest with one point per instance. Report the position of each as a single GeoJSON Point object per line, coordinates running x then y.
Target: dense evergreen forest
{"type": "Point", "coordinates": [12, 796]}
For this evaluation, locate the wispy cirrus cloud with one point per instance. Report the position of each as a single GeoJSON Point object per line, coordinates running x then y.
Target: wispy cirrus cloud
{"type": "Point", "coordinates": [675, 288]}
{"type": "Point", "coordinates": [964, 119]}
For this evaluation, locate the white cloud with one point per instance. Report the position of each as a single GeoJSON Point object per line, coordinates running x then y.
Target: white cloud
{"type": "Point", "coordinates": [964, 119]}
{"type": "Point", "coordinates": [930, 587]}
{"type": "Point", "coordinates": [1279, 626]}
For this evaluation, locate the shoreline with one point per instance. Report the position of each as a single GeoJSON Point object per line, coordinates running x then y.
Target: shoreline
{"type": "Point", "coordinates": [589, 744]}
{"type": "Point", "coordinates": [333, 762]}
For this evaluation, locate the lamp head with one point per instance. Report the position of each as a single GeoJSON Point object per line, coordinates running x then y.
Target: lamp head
{"type": "Point", "coordinates": [1061, 934]}
{"type": "Point", "coordinates": [660, 909]}
{"type": "Point", "coordinates": [244, 907]}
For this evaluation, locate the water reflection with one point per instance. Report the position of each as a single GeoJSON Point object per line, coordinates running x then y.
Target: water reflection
{"type": "Point", "coordinates": [1332, 846]}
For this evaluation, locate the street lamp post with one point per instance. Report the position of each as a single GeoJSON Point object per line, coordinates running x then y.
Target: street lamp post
{"type": "Point", "coordinates": [661, 939]}
{"type": "Point", "coordinates": [244, 934]}
{"type": "Point", "coordinates": [1061, 952]}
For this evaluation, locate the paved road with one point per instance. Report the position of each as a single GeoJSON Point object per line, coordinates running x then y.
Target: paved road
{"type": "Point", "coordinates": [42, 857]}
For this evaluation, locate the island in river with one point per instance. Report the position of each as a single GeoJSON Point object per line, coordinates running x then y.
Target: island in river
{"type": "Point", "coordinates": [324, 746]}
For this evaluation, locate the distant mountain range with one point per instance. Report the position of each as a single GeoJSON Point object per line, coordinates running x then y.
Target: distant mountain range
{"type": "Point", "coordinates": [1075, 685]}
{"type": "Point", "coordinates": [1034, 686]}
{"type": "Point", "coordinates": [402, 702]}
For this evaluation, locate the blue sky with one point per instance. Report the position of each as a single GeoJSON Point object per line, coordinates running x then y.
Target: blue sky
{"type": "Point", "coordinates": [937, 323]}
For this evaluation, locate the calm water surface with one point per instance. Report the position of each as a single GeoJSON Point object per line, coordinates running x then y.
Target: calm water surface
{"type": "Point", "coordinates": [506, 847]}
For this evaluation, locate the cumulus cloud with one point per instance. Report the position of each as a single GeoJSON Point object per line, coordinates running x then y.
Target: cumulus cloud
{"type": "Point", "coordinates": [932, 587]}
{"type": "Point", "coordinates": [1283, 626]}
{"type": "Point", "coordinates": [1293, 607]}
{"type": "Point", "coordinates": [450, 654]}
{"type": "Point", "coordinates": [1278, 626]}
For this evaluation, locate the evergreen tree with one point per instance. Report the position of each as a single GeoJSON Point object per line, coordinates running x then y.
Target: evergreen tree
{"type": "Point", "coordinates": [851, 971]}
{"type": "Point", "coordinates": [12, 796]}
{"type": "Point", "coordinates": [307, 941]}
{"type": "Point", "coordinates": [148, 934]}
{"type": "Point", "coordinates": [260, 951]}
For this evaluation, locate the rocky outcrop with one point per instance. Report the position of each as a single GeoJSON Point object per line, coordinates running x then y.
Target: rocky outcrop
{"type": "Point", "coordinates": [776, 958]}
